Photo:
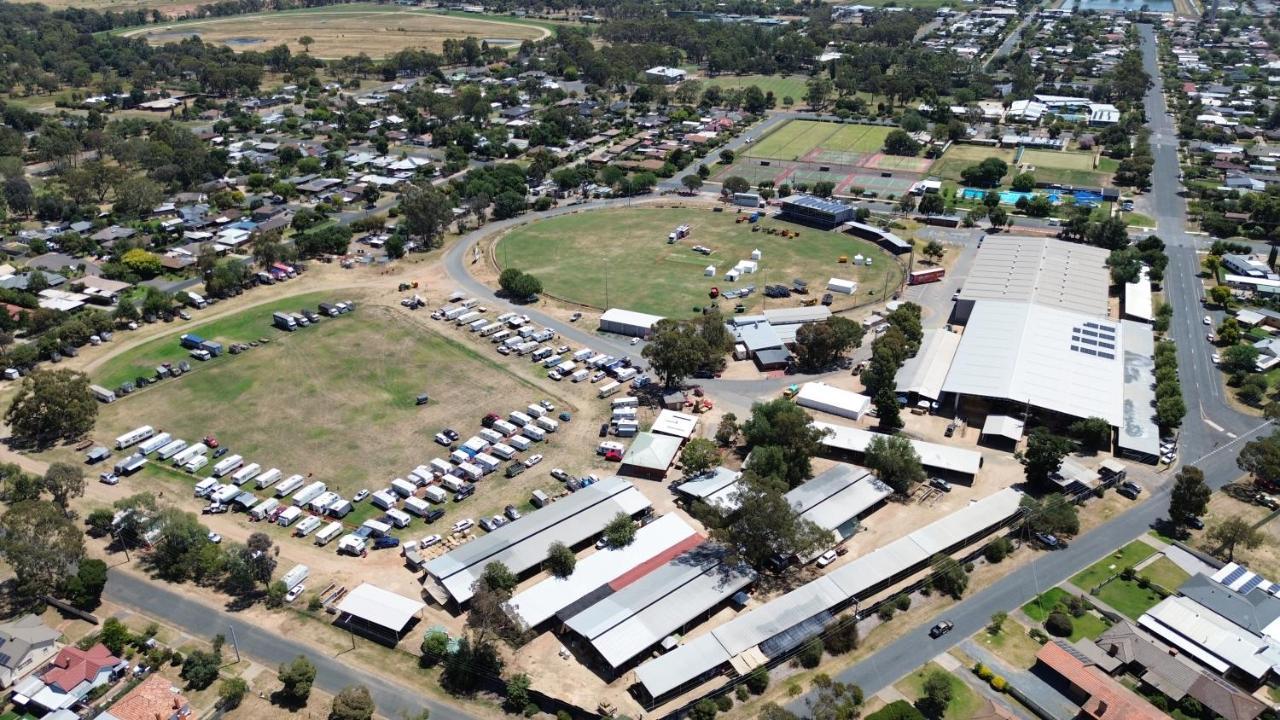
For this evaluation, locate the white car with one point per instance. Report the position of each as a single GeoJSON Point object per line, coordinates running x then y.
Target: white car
{"type": "Point", "coordinates": [559, 474]}
{"type": "Point", "coordinates": [1208, 320]}
{"type": "Point", "coordinates": [546, 405]}
{"type": "Point", "coordinates": [635, 341]}
{"type": "Point", "coordinates": [1217, 359]}
{"type": "Point", "coordinates": [443, 439]}
{"type": "Point", "coordinates": [109, 478]}
{"type": "Point", "coordinates": [532, 460]}
{"type": "Point", "coordinates": [597, 377]}
{"type": "Point", "coordinates": [465, 524]}
{"type": "Point", "coordinates": [826, 558]}
{"type": "Point", "coordinates": [295, 592]}
{"type": "Point", "coordinates": [215, 538]}
{"type": "Point", "coordinates": [429, 540]}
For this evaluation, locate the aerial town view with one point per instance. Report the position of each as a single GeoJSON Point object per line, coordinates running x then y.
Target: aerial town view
{"type": "Point", "coordinates": [567, 359]}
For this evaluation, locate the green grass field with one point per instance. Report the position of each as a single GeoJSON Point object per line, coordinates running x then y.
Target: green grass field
{"type": "Point", "coordinates": [958, 157]}
{"type": "Point", "coordinates": [335, 400]}
{"type": "Point", "coordinates": [964, 701]}
{"type": "Point", "coordinates": [620, 258]}
{"type": "Point", "coordinates": [798, 138]}
{"type": "Point", "coordinates": [1127, 598]}
{"type": "Point", "coordinates": [1011, 644]}
{"type": "Point", "coordinates": [1065, 168]}
{"type": "Point", "coordinates": [793, 86]}
{"type": "Point", "coordinates": [1131, 554]}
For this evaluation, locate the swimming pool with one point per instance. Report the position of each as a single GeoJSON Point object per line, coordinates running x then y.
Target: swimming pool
{"type": "Point", "coordinates": [1007, 197]}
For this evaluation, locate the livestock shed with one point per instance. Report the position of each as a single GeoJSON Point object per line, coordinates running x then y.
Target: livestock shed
{"type": "Point", "coordinates": [379, 614]}
{"type": "Point", "coordinates": [769, 631]}
{"type": "Point", "coordinates": [523, 545]}
{"type": "Point", "coordinates": [660, 540]}
{"type": "Point", "coordinates": [675, 424]}
{"type": "Point", "coordinates": [883, 238]}
{"type": "Point", "coordinates": [628, 322]}
{"type": "Point", "coordinates": [837, 498]}
{"type": "Point", "coordinates": [815, 211]}
{"type": "Point", "coordinates": [830, 399]}
{"type": "Point", "coordinates": [951, 461]}
{"type": "Point", "coordinates": [651, 454]}
{"type": "Point", "coordinates": [717, 487]}
{"type": "Point", "coordinates": [922, 376]}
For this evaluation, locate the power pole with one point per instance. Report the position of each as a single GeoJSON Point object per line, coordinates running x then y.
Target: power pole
{"type": "Point", "coordinates": [234, 644]}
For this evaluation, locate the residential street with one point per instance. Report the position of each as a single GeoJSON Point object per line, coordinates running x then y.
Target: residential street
{"type": "Point", "coordinates": [1210, 439]}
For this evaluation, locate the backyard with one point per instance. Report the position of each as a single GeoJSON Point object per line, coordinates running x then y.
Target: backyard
{"type": "Point", "coordinates": [964, 701]}
{"type": "Point", "coordinates": [638, 270]}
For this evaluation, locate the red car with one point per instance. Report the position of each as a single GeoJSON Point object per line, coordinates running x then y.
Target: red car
{"type": "Point", "coordinates": [210, 441]}
{"type": "Point", "coordinates": [613, 456]}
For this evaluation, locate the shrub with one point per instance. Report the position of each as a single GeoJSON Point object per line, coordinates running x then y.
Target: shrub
{"type": "Point", "coordinates": [758, 680]}
{"type": "Point", "coordinates": [885, 612]}
{"type": "Point", "coordinates": [968, 567]}
{"type": "Point", "coordinates": [999, 684]}
{"type": "Point", "coordinates": [1077, 605]}
{"type": "Point", "coordinates": [983, 672]}
{"type": "Point", "coordinates": [1059, 623]}
{"type": "Point", "coordinates": [1144, 582]}
{"type": "Point", "coordinates": [724, 703]}
{"type": "Point", "coordinates": [811, 653]}
{"type": "Point", "coordinates": [1038, 635]}
{"type": "Point", "coordinates": [841, 635]}
{"type": "Point", "coordinates": [997, 550]}
{"type": "Point", "coordinates": [741, 693]}
{"type": "Point", "coordinates": [1127, 573]}
{"type": "Point", "coordinates": [794, 689]}
{"type": "Point", "coordinates": [902, 602]}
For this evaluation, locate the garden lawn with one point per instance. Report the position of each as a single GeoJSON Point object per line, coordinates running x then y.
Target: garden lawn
{"type": "Point", "coordinates": [1127, 598]}
{"type": "Point", "coordinates": [1133, 219]}
{"type": "Point", "coordinates": [1131, 554]}
{"type": "Point", "coordinates": [1165, 573]}
{"type": "Point", "coordinates": [1040, 607]}
{"type": "Point", "coordinates": [620, 258]}
{"type": "Point", "coordinates": [964, 701]}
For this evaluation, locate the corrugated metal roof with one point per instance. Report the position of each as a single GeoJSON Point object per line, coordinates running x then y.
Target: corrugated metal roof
{"type": "Point", "coordinates": [1044, 271]}
{"type": "Point", "coordinates": [1139, 432]}
{"type": "Point", "coordinates": [629, 317]}
{"type": "Point", "coordinates": [381, 607]}
{"type": "Point", "coordinates": [932, 455]}
{"type": "Point", "coordinates": [925, 373]}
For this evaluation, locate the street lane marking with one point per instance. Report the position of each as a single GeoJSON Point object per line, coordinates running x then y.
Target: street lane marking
{"type": "Point", "coordinates": [1214, 425]}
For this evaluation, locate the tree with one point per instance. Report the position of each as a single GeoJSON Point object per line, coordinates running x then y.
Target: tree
{"type": "Point", "coordinates": [141, 263]}
{"type": "Point", "coordinates": [997, 622]}
{"type": "Point", "coordinates": [817, 90]}
{"type": "Point", "coordinates": [886, 404]}
{"type": "Point", "coordinates": [727, 431]}
{"type": "Point", "coordinates": [691, 182]}
{"type": "Point", "coordinates": [899, 142]}
{"type": "Point", "coordinates": [1044, 455]}
{"type": "Point", "coordinates": [735, 184]}
{"type": "Point", "coordinates": [1053, 515]}
{"type": "Point", "coordinates": [998, 217]}
{"type": "Point", "coordinates": [296, 678]}
{"type": "Point", "coordinates": [1240, 358]}
{"type": "Point", "coordinates": [896, 710]}
{"type": "Point", "coordinates": [427, 212]}
{"type": "Point", "coordinates": [1232, 532]}
{"type": "Point", "coordinates": [934, 251]}
{"type": "Point", "coordinates": [41, 545]}
{"type": "Point", "coordinates": [231, 692]}
{"type": "Point", "coordinates": [675, 351]}
{"type": "Point", "coordinates": [1112, 234]}
{"type": "Point", "coordinates": [1230, 332]}
{"type": "Point", "coordinates": [936, 693]}
{"type": "Point", "coordinates": [1059, 624]}
{"type": "Point", "coordinates": [115, 635]}
{"type": "Point", "coordinates": [895, 461]}
{"type": "Point", "coordinates": [497, 576]}
{"type": "Point", "coordinates": [200, 668]}
{"type": "Point", "coordinates": [783, 424]}
{"type": "Point", "coordinates": [518, 284]}
{"type": "Point", "coordinates": [52, 405]}
{"type": "Point", "coordinates": [1092, 432]}
{"type": "Point", "coordinates": [508, 204]}
{"type": "Point", "coordinates": [986, 174]}
{"type": "Point", "coordinates": [518, 692]}
{"type": "Point", "coordinates": [620, 532]}
{"type": "Point", "coordinates": [1024, 182]}
{"type": "Point", "coordinates": [1190, 496]}
{"type": "Point", "coordinates": [834, 700]}
{"type": "Point", "coordinates": [698, 456]}
{"type": "Point", "coordinates": [767, 525]}
{"type": "Point", "coordinates": [819, 345]}
{"type": "Point", "coordinates": [64, 481]}
{"type": "Point", "coordinates": [276, 593]}
{"type": "Point", "coordinates": [353, 703]}
{"type": "Point", "coordinates": [932, 204]}
{"type": "Point", "coordinates": [84, 589]}
{"type": "Point", "coordinates": [561, 560]}
{"type": "Point", "coordinates": [471, 667]}
{"type": "Point", "coordinates": [949, 576]}
{"type": "Point", "coordinates": [306, 41]}
{"type": "Point", "coordinates": [1261, 458]}
{"type": "Point", "coordinates": [1220, 295]}
{"type": "Point", "coordinates": [136, 197]}
{"type": "Point", "coordinates": [435, 647]}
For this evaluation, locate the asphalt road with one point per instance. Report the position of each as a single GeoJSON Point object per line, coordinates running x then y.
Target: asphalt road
{"type": "Point", "coordinates": [332, 673]}
{"type": "Point", "coordinates": [1210, 439]}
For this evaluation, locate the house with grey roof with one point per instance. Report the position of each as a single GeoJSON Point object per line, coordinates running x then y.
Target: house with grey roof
{"type": "Point", "coordinates": [26, 643]}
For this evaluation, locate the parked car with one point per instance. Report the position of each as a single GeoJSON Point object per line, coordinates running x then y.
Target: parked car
{"type": "Point", "coordinates": [941, 484]}
{"type": "Point", "coordinates": [109, 478]}
{"type": "Point", "coordinates": [443, 439]}
{"type": "Point", "coordinates": [360, 496]}
{"type": "Point", "coordinates": [487, 525]}
{"type": "Point", "coordinates": [512, 512]}
{"type": "Point", "coordinates": [1050, 542]}
{"type": "Point", "coordinates": [604, 429]}
{"type": "Point", "coordinates": [575, 317]}
{"type": "Point", "coordinates": [464, 524]}
{"type": "Point", "coordinates": [385, 542]}
{"type": "Point", "coordinates": [433, 515]}
{"type": "Point", "coordinates": [215, 538]}
{"type": "Point", "coordinates": [533, 460]}
{"type": "Point", "coordinates": [1208, 320]}
{"type": "Point", "coordinates": [214, 509]}
{"type": "Point", "coordinates": [428, 541]}
{"type": "Point", "coordinates": [1194, 523]}
{"type": "Point", "coordinates": [560, 474]}
{"type": "Point", "coordinates": [451, 434]}
{"type": "Point", "coordinates": [295, 592]}
{"type": "Point", "coordinates": [1130, 489]}
{"type": "Point", "coordinates": [940, 629]}
{"type": "Point", "coordinates": [826, 558]}
{"type": "Point", "coordinates": [464, 493]}
{"type": "Point", "coordinates": [220, 452]}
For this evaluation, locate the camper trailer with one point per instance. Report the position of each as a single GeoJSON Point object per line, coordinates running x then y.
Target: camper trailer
{"type": "Point", "coordinates": [519, 418]}
{"type": "Point", "coordinates": [246, 473]}
{"type": "Point", "coordinates": [309, 493]}
{"type": "Point", "coordinates": [435, 494]}
{"type": "Point", "coordinates": [227, 465]}
{"type": "Point", "coordinates": [289, 516]}
{"type": "Point", "coordinates": [264, 508]}
{"type": "Point", "coordinates": [505, 427]}
{"type": "Point", "coordinates": [548, 424]}
{"type": "Point", "coordinates": [384, 499]}
{"type": "Point", "coordinates": [205, 486]}
{"type": "Point", "coordinates": [295, 576]}
{"type": "Point", "coordinates": [171, 448]}
{"type": "Point", "coordinates": [289, 484]}
{"type": "Point", "coordinates": [609, 389]}
{"type": "Point", "coordinates": [352, 545]}
{"type": "Point", "coordinates": [195, 463]}
{"type": "Point", "coordinates": [519, 442]}
{"type": "Point", "coordinates": [322, 501]}
{"type": "Point", "coordinates": [130, 465]}
{"type": "Point", "coordinates": [486, 462]}
{"type": "Point", "coordinates": [502, 450]}
{"type": "Point", "coordinates": [624, 402]}
{"type": "Point", "coordinates": [330, 531]}
{"type": "Point", "coordinates": [181, 458]}
{"type": "Point", "coordinates": [376, 528]}
{"type": "Point", "coordinates": [134, 436]}
{"type": "Point", "coordinates": [453, 482]}
{"type": "Point", "coordinates": [102, 394]}
{"type": "Point", "coordinates": [417, 506]}
{"type": "Point", "coordinates": [440, 467]}
{"type": "Point", "coordinates": [339, 508]}
{"type": "Point", "coordinates": [225, 494]}
{"type": "Point", "coordinates": [154, 443]}
{"type": "Point", "coordinates": [307, 525]}
{"type": "Point", "coordinates": [534, 433]}
{"type": "Point", "coordinates": [268, 478]}
{"type": "Point", "coordinates": [403, 488]}
{"type": "Point", "coordinates": [399, 518]}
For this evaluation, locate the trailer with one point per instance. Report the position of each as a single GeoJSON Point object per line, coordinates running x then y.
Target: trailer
{"type": "Point", "coordinates": [534, 433]}
{"type": "Point", "coordinates": [182, 457]}
{"type": "Point", "coordinates": [526, 332]}
{"type": "Point", "coordinates": [624, 402]}
{"type": "Point", "coordinates": [544, 335]}
{"type": "Point", "coordinates": [134, 436]}
{"type": "Point", "coordinates": [513, 341]}
{"type": "Point", "coordinates": [102, 394]}
{"type": "Point", "coordinates": [284, 321]}
{"type": "Point", "coordinates": [352, 545]}
{"type": "Point", "coordinates": [195, 463]}
{"type": "Point", "coordinates": [246, 473]}
{"type": "Point", "coordinates": [440, 467]}
{"type": "Point", "coordinates": [475, 325]}
{"type": "Point", "coordinates": [322, 501]}
{"type": "Point", "coordinates": [487, 462]}
{"type": "Point", "coordinates": [566, 367]}
{"type": "Point", "coordinates": [504, 427]}
{"type": "Point", "coordinates": [500, 336]}
{"type": "Point", "coordinates": [130, 465]}
{"type": "Point", "coordinates": [502, 450]}
{"type": "Point", "coordinates": [289, 516]}
{"type": "Point", "coordinates": [489, 329]}
{"type": "Point", "coordinates": [597, 360]}
{"type": "Point", "coordinates": [154, 443]}
{"type": "Point", "coordinates": [535, 411]}
{"type": "Point", "coordinates": [268, 478]}
{"type": "Point", "coordinates": [399, 518]}
{"type": "Point", "coordinates": [289, 484]}
{"type": "Point", "coordinates": [609, 389]}
{"type": "Point", "coordinates": [417, 506]}
{"type": "Point", "coordinates": [97, 455]}
{"type": "Point", "coordinates": [921, 277]}
{"type": "Point", "coordinates": [384, 499]}
{"type": "Point", "coordinates": [171, 448]}
{"type": "Point", "coordinates": [196, 300]}
{"type": "Point", "coordinates": [526, 347]}
{"type": "Point", "coordinates": [469, 303]}
{"type": "Point", "coordinates": [307, 525]}
{"type": "Point", "coordinates": [625, 374]}
{"type": "Point", "coordinates": [340, 508]}
{"type": "Point", "coordinates": [309, 493]}
{"type": "Point", "coordinates": [224, 494]}
{"type": "Point", "coordinates": [626, 428]}
{"type": "Point", "coordinates": [491, 436]}
{"type": "Point", "coordinates": [434, 494]}
{"type": "Point", "coordinates": [376, 528]}
{"type": "Point", "coordinates": [421, 475]}
{"type": "Point", "coordinates": [455, 312]}
{"type": "Point", "coordinates": [474, 444]}
{"type": "Point", "coordinates": [453, 482]}
{"type": "Point", "coordinates": [329, 532]}
{"type": "Point", "coordinates": [519, 442]}
{"type": "Point", "coordinates": [227, 465]}
{"type": "Point", "coordinates": [295, 576]}
{"type": "Point", "coordinates": [518, 418]}
{"type": "Point", "coordinates": [539, 499]}
{"type": "Point", "coordinates": [403, 488]}
{"type": "Point", "coordinates": [623, 413]}
{"type": "Point", "coordinates": [580, 375]}
{"type": "Point", "coordinates": [466, 318]}
{"type": "Point", "coordinates": [542, 353]}
{"type": "Point", "coordinates": [190, 341]}
{"type": "Point", "coordinates": [264, 508]}
{"type": "Point", "coordinates": [205, 486]}
{"type": "Point", "coordinates": [583, 355]}
{"type": "Point", "coordinates": [548, 424]}
{"type": "Point", "coordinates": [470, 471]}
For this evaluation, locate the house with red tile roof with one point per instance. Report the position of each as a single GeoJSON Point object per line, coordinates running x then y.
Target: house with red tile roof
{"type": "Point", "coordinates": [153, 699]}
{"type": "Point", "coordinates": [1100, 697]}
{"type": "Point", "coordinates": [72, 675]}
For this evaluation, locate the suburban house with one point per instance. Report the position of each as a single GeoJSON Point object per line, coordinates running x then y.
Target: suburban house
{"type": "Point", "coordinates": [25, 644]}
{"type": "Point", "coordinates": [69, 678]}
{"type": "Point", "coordinates": [153, 699]}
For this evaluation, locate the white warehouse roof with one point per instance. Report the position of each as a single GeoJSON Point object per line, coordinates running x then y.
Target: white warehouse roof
{"type": "Point", "coordinates": [932, 455]}
{"type": "Point", "coordinates": [831, 399]}
{"type": "Point", "coordinates": [925, 373]}
{"type": "Point", "coordinates": [629, 317]}
{"type": "Point", "coordinates": [380, 607]}
{"type": "Point", "coordinates": [1044, 271]}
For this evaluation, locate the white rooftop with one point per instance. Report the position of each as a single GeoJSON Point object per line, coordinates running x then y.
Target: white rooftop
{"type": "Point", "coordinates": [925, 373]}
{"type": "Point", "coordinates": [941, 457]}
{"type": "Point", "coordinates": [1042, 271]}
{"type": "Point", "coordinates": [678, 424]}
{"type": "Point", "coordinates": [381, 607]}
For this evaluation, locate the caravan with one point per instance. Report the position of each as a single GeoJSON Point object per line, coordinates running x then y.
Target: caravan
{"type": "Point", "coordinates": [246, 473]}
{"type": "Point", "coordinates": [181, 458]}
{"type": "Point", "coordinates": [289, 484]}
{"type": "Point", "coordinates": [205, 486]}
{"type": "Point", "coordinates": [268, 478]}
{"type": "Point", "coordinates": [289, 516]}
{"type": "Point", "coordinates": [134, 436]}
{"type": "Point", "coordinates": [264, 508]}
{"type": "Point", "coordinates": [155, 443]}
{"type": "Point", "coordinates": [330, 531]}
{"type": "Point", "coordinates": [172, 448]}
{"type": "Point", "coordinates": [227, 465]}
{"type": "Point", "coordinates": [309, 493]}
{"type": "Point", "coordinates": [307, 526]}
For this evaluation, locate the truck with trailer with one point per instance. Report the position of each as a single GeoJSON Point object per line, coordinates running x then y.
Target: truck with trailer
{"type": "Point", "coordinates": [328, 533]}
{"type": "Point", "coordinates": [171, 448]}
{"type": "Point", "coordinates": [102, 394]}
{"type": "Point", "coordinates": [154, 443]}
{"type": "Point", "coordinates": [289, 484]}
{"type": "Point", "coordinates": [307, 525]}
{"type": "Point", "coordinates": [246, 473]}
{"type": "Point", "coordinates": [227, 465]}
{"type": "Point", "coordinates": [927, 275]}
{"type": "Point", "coordinates": [611, 388]}
{"type": "Point", "coordinates": [309, 493]}
{"type": "Point", "coordinates": [134, 436]}
{"type": "Point", "coordinates": [264, 508]}
{"type": "Point", "coordinates": [284, 321]}
{"type": "Point", "coordinates": [295, 576]}
{"type": "Point", "coordinates": [267, 478]}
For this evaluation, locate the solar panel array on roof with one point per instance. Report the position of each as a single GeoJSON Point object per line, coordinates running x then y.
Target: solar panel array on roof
{"type": "Point", "coordinates": [1234, 575]}
{"type": "Point", "coordinates": [1252, 583]}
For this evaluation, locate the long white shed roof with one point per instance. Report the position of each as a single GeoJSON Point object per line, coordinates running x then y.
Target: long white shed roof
{"type": "Point", "coordinates": [380, 607]}
{"type": "Point", "coordinates": [942, 457]}
{"type": "Point", "coordinates": [925, 373]}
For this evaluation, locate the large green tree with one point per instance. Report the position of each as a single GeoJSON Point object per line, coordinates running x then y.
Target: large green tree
{"type": "Point", "coordinates": [52, 405]}
{"type": "Point", "coordinates": [1190, 496]}
{"type": "Point", "coordinates": [41, 545]}
{"type": "Point", "coordinates": [427, 212]}
{"type": "Point", "coordinates": [1044, 455]}
{"type": "Point", "coordinates": [766, 525]}
{"type": "Point", "coordinates": [819, 345]}
{"type": "Point", "coordinates": [783, 424]}
{"type": "Point", "coordinates": [675, 351]}
{"type": "Point", "coordinates": [1261, 458]}
{"type": "Point", "coordinates": [895, 461]}
{"type": "Point", "coordinates": [296, 678]}
{"type": "Point", "coordinates": [1054, 514]}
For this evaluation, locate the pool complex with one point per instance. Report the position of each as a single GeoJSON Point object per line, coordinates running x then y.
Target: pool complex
{"type": "Point", "coordinates": [1011, 197]}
